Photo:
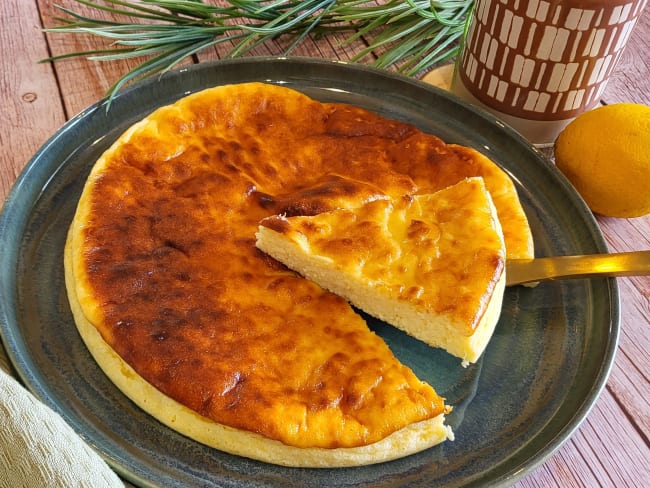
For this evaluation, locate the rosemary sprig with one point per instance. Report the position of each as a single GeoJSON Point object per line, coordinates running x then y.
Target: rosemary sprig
{"type": "Point", "coordinates": [412, 35]}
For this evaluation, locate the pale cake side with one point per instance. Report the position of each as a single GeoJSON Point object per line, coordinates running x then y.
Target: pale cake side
{"type": "Point", "coordinates": [432, 265]}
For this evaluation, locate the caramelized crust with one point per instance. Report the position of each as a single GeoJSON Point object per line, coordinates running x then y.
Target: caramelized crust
{"type": "Point", "coordinates": [164, 262]}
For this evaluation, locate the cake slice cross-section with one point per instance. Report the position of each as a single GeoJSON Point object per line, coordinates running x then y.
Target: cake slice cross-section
{"type": "Point", "coordinates": [432, 265]}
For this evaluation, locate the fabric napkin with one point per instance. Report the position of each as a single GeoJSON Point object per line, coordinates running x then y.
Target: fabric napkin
{"type": "Point", "coordinates": [38, 448]}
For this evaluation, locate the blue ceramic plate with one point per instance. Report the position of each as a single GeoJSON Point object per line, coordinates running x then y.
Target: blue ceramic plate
{"type": "Point", "coordinates": [545, 366]}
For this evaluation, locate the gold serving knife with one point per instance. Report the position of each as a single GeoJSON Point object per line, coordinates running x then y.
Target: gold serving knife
{"type": "Point", "coordinates": [522, 271]}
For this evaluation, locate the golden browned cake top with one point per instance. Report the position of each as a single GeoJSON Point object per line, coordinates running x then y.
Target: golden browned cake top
{"type": "Point", "coordinates": [166, 266]}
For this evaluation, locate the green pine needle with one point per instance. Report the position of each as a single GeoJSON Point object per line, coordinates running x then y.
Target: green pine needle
{"type": "Point", "coordinates": [411, 35]}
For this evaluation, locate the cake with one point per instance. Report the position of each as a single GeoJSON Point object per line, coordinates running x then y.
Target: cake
{"type": "Point", "coordinates": [212, 336]}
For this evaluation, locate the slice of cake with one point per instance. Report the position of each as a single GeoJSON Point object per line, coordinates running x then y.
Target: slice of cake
{"type": "Point", "coordinates": [432, 265]}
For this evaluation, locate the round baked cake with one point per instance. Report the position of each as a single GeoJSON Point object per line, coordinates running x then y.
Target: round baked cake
{"type": "Point", "coordinates": [215, 338]}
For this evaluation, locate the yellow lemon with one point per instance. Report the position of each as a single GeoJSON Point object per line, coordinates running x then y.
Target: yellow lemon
{"type": "Point", "coordinates": [605, 153]}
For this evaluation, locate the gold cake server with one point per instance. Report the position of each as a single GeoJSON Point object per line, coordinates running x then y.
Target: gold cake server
{"type": "Point", "coordinates": [521, 271]}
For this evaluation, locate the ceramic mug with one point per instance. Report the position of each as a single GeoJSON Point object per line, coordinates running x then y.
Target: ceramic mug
{"type": "Point", "coordinates": [537, 64]}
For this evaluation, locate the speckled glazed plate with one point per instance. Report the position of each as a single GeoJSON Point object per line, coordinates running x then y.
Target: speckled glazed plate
{"type": "Point", "coordinates": [545, 366]}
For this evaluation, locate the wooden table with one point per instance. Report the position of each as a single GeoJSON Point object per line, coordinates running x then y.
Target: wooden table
{"type": "Point", "coordinates": [612, 446]}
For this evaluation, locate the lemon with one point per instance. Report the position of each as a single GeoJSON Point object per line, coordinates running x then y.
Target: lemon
{"type": "Point", "coordinates": [605, 154]}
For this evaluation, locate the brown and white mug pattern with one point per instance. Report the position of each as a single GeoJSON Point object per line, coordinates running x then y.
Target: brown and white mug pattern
{"type": "Point", "coordinates": [544, 60]}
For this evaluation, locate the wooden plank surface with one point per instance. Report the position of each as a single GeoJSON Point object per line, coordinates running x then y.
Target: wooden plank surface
{"type": "Point", "coordinates": [630, 377]}
{"type": "Point", "coordinates": [82, 83]}
{"type": "Point", "coordinates": [609, 449]}
{"type": "Point", "coordinates": [631, 79]}
{"type": "Point", "coordinates": [31, 105]}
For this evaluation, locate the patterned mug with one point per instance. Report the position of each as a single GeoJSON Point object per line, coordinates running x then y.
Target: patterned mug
{"type": "Point", "coordinates": [538, 64]}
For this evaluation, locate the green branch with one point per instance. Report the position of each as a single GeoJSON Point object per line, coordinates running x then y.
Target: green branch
{"type": "Point", "coordinates": [411, 35]}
